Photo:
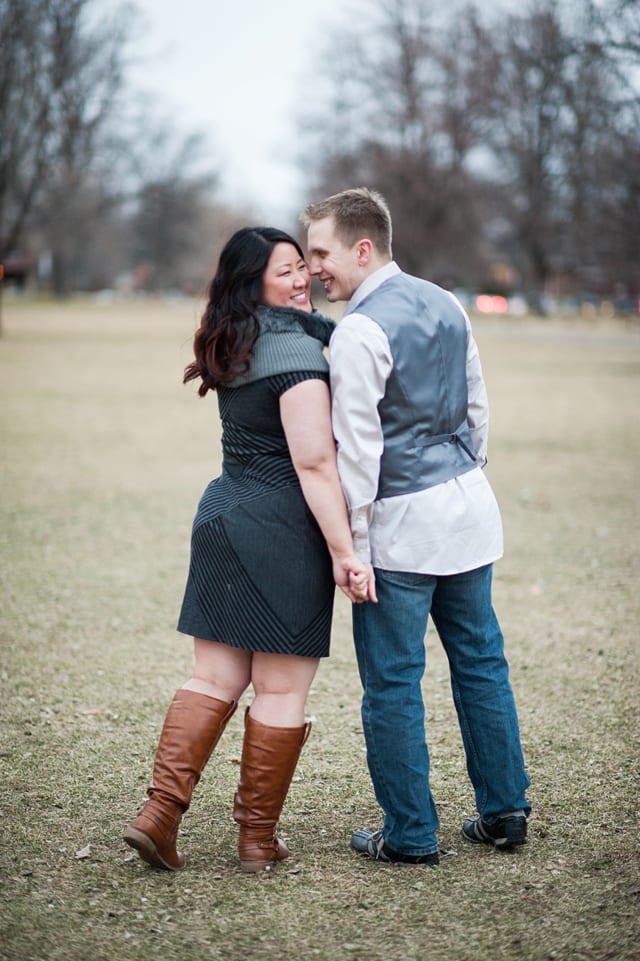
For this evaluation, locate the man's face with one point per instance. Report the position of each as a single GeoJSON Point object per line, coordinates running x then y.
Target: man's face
{"type": "Point", "coordinates": [333, 263]}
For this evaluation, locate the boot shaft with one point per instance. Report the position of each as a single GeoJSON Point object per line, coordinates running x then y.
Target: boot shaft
{"type": "Point", "coordinates": [192, 728]}
{"type": "Point", "coordinates": [269, 759]}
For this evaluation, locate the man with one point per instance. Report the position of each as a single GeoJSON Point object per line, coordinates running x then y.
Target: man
{"type": "Point", "coordinates": [410, 420]}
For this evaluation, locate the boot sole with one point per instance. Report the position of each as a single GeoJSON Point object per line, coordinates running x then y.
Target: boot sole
{"type": "Point", "coordinates": [147, 849]}
{"type": "Point", "coordinates": [256, 867]}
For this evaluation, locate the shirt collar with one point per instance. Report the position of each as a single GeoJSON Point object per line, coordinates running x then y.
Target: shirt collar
{"type": "Point", "coordinates": [372, 281]}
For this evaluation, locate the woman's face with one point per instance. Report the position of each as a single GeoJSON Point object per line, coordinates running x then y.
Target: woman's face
{"type": "Point", "coordinates": [286, 281]}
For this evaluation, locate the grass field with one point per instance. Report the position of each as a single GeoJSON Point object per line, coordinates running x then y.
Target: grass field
{"type": "Point", "coordinates": [103, 457]}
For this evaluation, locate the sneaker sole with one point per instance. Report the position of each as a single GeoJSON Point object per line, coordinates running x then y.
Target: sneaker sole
{"type": "Point", "coordinates": [502, 843]}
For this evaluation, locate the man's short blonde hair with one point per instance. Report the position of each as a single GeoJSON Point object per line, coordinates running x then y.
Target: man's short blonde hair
{"type": "Point", "coordinates": [357, 213]}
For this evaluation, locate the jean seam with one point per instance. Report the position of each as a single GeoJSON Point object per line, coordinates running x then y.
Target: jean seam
{"type": "Point", "coordinates": [479, 783]}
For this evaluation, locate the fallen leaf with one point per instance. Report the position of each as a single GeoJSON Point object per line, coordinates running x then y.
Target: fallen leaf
{"type": "Point", "coordinates": [83, 853]}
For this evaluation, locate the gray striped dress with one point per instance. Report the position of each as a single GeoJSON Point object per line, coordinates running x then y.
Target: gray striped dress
{"type": "Point", "coordinates": [260, 575]}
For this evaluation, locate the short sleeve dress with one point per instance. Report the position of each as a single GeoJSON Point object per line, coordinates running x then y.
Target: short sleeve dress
{"type": "Point", "coordinates": [260, 575]}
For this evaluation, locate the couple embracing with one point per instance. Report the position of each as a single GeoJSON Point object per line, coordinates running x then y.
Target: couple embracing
{"type": "Point", "coordinates": [369, 476]}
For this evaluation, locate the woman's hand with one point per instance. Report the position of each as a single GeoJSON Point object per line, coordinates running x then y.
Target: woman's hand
{"type": "Point", "coordinates": [355, 579]}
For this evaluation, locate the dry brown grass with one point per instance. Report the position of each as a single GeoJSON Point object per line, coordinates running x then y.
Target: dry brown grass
{"type": "Point", "coordinates": [104, 454]}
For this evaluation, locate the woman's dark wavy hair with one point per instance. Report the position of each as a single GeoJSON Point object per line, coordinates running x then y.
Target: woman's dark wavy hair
{"type": "Point", "coordinates": [228, 330]}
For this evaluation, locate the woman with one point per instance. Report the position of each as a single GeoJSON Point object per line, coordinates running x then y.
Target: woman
{"type": "Point", "coordinates": [269, 538]}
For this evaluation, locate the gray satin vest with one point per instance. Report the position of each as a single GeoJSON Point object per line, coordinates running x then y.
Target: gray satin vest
{"type": "Point", "coordinates": [424, 409]}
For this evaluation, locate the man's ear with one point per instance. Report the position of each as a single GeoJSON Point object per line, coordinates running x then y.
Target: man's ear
{"type": "Point", "coordinates": [364, 250]}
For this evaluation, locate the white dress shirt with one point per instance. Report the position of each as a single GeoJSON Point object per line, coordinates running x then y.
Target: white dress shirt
{"type": "Point", "coordinates": [446, 529]}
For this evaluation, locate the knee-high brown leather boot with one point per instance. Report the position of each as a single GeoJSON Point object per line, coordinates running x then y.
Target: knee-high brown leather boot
{"type": "Point", "coordinates": [269, 759]}
{"type": "Point", "coordinates": [192, 728]}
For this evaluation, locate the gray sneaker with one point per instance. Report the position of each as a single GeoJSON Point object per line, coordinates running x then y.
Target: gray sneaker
{"type": "Point", "coordinates": [507, 832]}
{"type": "Point", "coordinates": [372, 844]}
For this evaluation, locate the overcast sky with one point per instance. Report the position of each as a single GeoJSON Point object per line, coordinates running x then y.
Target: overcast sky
{"type": "Point", "coordinates": [237, 70]}
{"type": "Point", "coordinates": [233, 69]}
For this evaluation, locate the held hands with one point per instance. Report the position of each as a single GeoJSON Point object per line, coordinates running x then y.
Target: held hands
{"type": "Point", "coordinates": [363, 585]}
{"type": "Point", "coordinates": [355, 579]}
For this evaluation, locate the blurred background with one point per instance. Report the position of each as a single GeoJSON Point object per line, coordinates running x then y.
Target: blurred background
{"type": "Point", "coordinates": [134, 137]}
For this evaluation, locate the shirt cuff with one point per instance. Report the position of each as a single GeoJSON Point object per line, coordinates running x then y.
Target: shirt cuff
{"type": "Point", "coordinates": [360, 534]}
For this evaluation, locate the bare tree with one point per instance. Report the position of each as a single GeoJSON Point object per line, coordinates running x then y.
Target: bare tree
{"type": "Point", "coordinates": [60, 73]}
{"type": "Point", "coordinates": [76, 178]}
{"type": "Point", "coordinates": [560, 119]}
{"type": "Point", "coordinates": [171, 205]}
{"type": "Point", "coordinates": [613, 32]}
{"type": "Point", "coordinates": [397, 116]}
{"type": "Point", "coordinates": [617, 24]}
{"type": "Point", "coordinates": [496, 137]}
{"type": "Point", "coordinates": [524, 108]}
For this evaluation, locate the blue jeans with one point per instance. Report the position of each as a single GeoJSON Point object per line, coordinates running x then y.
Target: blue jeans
{"type": "Point", "coordinates": [390, 648]}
